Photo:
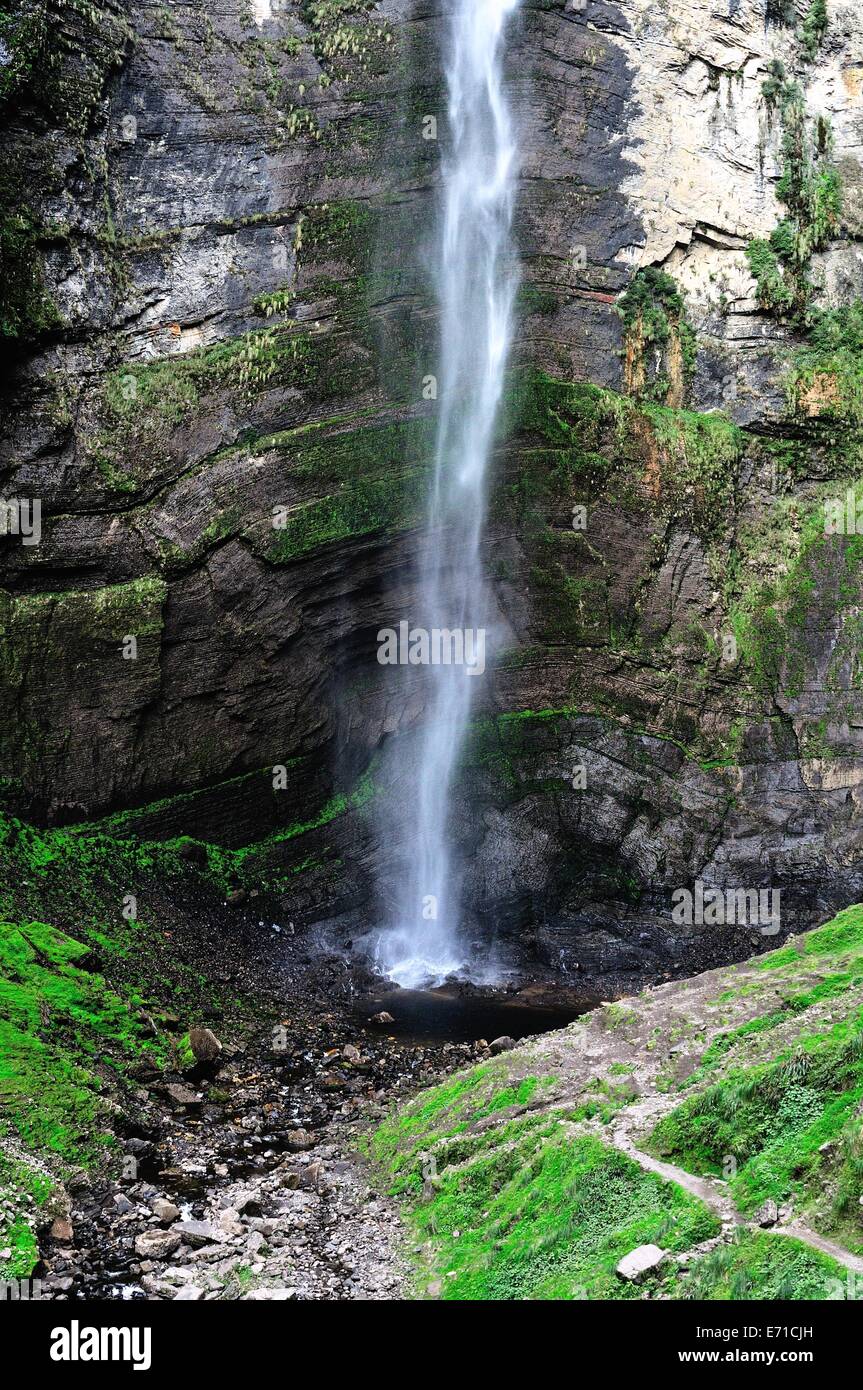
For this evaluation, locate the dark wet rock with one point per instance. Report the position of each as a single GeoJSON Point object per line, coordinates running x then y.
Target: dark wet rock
{"type": "Point", "coordinates": [502, 1044]}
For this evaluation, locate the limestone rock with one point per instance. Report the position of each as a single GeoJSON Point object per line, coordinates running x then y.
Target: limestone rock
{"type": "Point", "coordinates": [156, 1245]}
{"type": "Point", "coordinates": [164, 1210]}
{"type": "Point", "coordinates": [767, 1214]}
{"type": "Point", "coordinates": [198, 1233]}
{"type": "Point", "coordinates": [640, 1262]}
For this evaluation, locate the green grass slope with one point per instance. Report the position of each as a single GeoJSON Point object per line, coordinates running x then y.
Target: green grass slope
{"type": "Point", "coordinates": [512, 1173]}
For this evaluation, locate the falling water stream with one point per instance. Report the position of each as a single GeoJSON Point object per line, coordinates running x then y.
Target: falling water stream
{"type": "Point", "coordinates": [476, 277]}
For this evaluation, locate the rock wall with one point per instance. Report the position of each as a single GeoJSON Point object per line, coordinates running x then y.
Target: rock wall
{"type": "Point", "coordinates": [224, 324]}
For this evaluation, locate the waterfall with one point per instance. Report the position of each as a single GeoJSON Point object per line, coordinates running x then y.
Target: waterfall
{"type": "Point", "coordinates": [476, 280]}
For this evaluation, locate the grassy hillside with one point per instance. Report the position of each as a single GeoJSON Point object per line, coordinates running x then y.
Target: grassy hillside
{"type": "Point", "coordinates": [530, 1175]}
{"type": "Point", "coordinates": [87, 997]}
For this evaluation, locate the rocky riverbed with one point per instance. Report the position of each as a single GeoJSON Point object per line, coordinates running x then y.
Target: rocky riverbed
{"type": "Point", "coordinates": [246, 1180]}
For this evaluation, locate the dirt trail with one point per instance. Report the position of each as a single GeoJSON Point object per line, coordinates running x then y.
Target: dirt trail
{"type": "Point", "coordinates": [712, 1192]}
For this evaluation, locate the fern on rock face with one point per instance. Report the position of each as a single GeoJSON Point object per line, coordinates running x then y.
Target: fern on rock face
{"type": "Point", "coordinates": [810, 188]}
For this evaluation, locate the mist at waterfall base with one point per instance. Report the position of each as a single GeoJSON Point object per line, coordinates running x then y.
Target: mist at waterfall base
{"type": "Point", "coordinates": [420, 944]}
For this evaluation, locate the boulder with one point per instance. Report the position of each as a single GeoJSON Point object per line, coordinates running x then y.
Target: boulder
{"type": "Point", "coordinates": [204, 1044]}
{"type": "Point", "coordinates": [198, 1233]}
{"type": "Point", "coordinates": [767, 1214]}
{"type": "Point", "coordinates": [61, 1230]}
{"type": "Point", "coordinates": [164, 1210]}
{"type": "Point", "coordinates": [640, 1262]}
{"type": "Point", "coordinates": [502, 1044]}
{"type": "Point", "coordinates": [156, 1245]}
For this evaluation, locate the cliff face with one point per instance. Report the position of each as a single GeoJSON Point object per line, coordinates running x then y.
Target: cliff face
{"type": "Point", "coordinates": [215, 389]}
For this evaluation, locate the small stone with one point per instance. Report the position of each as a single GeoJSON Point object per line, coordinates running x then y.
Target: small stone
{"type": "Point", "coordinates": [191, 1293]}
{"type": "Point", "coordinates": [634, 1266]}
{"type": "Point", "coordinates": [382, 1017]}
{"type": "Point", "coordinates": [204, 1044]}
{"type": "Point", "coordinates": [298, 1139]}
{"type": "Point", "coordinates": [503, 1044]}
{"type": "Point", "coordinates": [182, 1095]}
{"type": "Point", "coordinates": [229, 1220]}
{"type": "Point", "coordinates": [156, 1245]}
{"type": "Point", "coordinates": [61, 1229]}
{"type": "Point", "coordinates": [313, 1174]}
{"type": "Point", "coordinates": [351, 1053]}
{"type": "Point", "coordinates": [122, 1203]}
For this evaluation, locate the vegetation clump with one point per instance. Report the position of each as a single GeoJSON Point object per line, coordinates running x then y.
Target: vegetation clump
{"type": "Point", "coordinates": [26, 308]}
{"type": "Point", "coordinates": [810, 188]}
{"type": "Point", "coordinates": [812, 29]}
{"type": "Point", "coordinates": [659, 342]}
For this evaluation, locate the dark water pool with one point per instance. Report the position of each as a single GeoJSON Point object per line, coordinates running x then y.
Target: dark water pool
{"type": "Point", "coordinates": [441, 1017]}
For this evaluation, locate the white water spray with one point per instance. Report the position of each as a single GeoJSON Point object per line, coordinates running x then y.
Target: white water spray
{"type": "Point", "coordinates": [477, 280]}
